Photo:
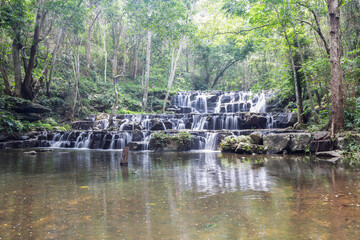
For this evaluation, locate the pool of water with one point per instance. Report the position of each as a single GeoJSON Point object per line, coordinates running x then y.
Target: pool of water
{"type": "Point", "coordinates": [82, 194]}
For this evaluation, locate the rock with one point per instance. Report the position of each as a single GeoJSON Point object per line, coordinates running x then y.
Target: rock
{"type": "Point", "coordinates": [186, 110]}
{"type": "Point", "coordinates": [27, 110]}
{"type": "Point", "coordinates": [157, 125]}
{"type": "Point", "coordinates": [168, 125]}
{"type": "Point", "coordinates": [82, 125]}
{"type": "Point", "coordinates": [321, 145]}
{"type": "Point", "coordinates": [30, 153]}
{"type": "Point", "coordinates": [284, 120]}
{"type": "Point", "coordinates": [320, 135]}
{"type": "Point", "coordinates": [329, 154]}
{"type": "Point", "coordinates": [276, 143]}
{"type": "Point", "coordinates": [136, 146]}
{"type": "Point", "coordinates": [137, 136]}
{"type": "Point", "coordinates": [256, 137]}
{"type": "Point", "coordinates": [255, 122]}
{"type": "Point", "coordinates": [300, 142]}
{"type": "Point", "coordinates": [248, 148]}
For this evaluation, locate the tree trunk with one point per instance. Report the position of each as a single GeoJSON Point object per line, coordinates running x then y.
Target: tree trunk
{"type": "Point", "coordinates": [136, 57]}
{"type": "Point", "coordinates": [147, 71]}
{"type": "Point", "coordinates": [17, 66]}
{"type": "Point", "coordinates": [117, 33]}
{"type": "Point", "coordinates": [337, 114]}
{"type": "Point", "coordinates": [307, 80]}
{"type": "Point", "coordinates": [105, 52]}
{"type": "Point", "coordinates": [26, 89]}
{"type": "Point", "coordinates": [296, 81]}
{"type": "Point", "coordinates": [76, 70]}
{"type": "Point", "coordinates": [88, 45]}
{"type": "Point", "coordinates": [174, 62]}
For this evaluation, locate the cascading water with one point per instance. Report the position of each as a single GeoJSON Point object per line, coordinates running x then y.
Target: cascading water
{"type": "Point", "coordinates": [197, 112]}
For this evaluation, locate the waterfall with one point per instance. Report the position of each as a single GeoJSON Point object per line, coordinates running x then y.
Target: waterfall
{"type": "Point", "coordinates": [211, 139]}
{"type": "Point", "coordinates": [197, 112]}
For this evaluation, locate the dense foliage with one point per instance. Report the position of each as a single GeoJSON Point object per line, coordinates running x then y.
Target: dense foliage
{"type": "Point", "coordinates": [82, 56]}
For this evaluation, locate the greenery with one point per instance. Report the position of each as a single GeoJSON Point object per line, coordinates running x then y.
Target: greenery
{"type": "Point", "coordinates": [182, 140]}
{"type": "Point", "coordinates": [351, 150]}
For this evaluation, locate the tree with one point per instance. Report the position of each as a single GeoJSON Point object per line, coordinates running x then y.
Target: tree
{"type": "Point", "coordinates": [337, 114]}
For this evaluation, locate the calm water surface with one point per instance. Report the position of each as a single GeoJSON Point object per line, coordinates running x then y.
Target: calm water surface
{"type": "Point", "coordinates": [69, 194]}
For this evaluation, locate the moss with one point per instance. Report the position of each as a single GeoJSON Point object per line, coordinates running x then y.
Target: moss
{"type": "Point", "coordinates": [178, 142]}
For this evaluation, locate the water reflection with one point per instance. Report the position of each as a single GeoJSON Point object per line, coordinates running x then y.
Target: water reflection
{"type": "Point", "coordinates": [194, 195]}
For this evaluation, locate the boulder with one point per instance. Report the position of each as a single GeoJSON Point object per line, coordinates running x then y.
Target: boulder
{"type": "Point", "coordinates": [137, 136]}
{"type": "Point", "coordinates": [255, 122]}
{"type": "Point", "coordinates": [157, 125]}
{"type": "Point", "coordinates": [300, 142]}
{"type": "Point", "coordinates": [168, 125]}
{"type": "Point", "coordinates": [284, 120]}
{"type": "Point", "coordinates": [256, 137]}
{"type": "Point", "coordinates": [276, 143]}
{"type": "Point", "coordinates": [136, 146]}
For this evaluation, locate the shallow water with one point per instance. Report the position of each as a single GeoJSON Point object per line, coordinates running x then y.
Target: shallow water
{"type": "Point", "coordinates": [74, 194]}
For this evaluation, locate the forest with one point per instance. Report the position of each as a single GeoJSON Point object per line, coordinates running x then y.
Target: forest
{"type": "Point", "coordinates": [81, 57]}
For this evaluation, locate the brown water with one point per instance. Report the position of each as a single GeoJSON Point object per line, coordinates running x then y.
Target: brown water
{"type": "Point", "coordinates": [87, 195]}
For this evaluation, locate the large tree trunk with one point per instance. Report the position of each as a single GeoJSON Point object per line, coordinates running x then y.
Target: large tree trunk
{"type": "Point", "coordinates": [26, 88]}
{"type": "Point", "coordinates": [337, 114]}
{"type": "Point", "coordinates": [17, 66]}
{"type": "Point", "coordinates": [174, 62]}
{"type": "Point", "coordinates": [147, 71]}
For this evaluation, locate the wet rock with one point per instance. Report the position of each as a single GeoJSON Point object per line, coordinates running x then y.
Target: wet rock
{"type": "Point", "coordinates": [255, 122]}
{"type": "Point", "coordinates": [157, 125]}
{"type": "Point", "coordinates": [136, 146]}
{"type": "Point", "coordinates": [168, 125]}
{"type": "Point", "coordinates": [256, 137]}
{"type": "Point", "coordinates": [137, 136]}
{"type": "Point", "coordinates": [186, 110]}
{"type": "Point", "coordinates": [276, 143]}
{"type": "Point", "coordinates": [300, 142]}
{"type": "Point", "coordinates": [284, 120]}
{"type": "Point", "coordinates": [82, 125]}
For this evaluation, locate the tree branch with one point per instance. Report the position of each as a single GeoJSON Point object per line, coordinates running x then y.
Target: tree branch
{"type": "Point", "coordinates": [244, 30]}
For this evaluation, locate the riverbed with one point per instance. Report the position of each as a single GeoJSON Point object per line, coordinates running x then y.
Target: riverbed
{"type": "Point", "coordinates": [86, 194]}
